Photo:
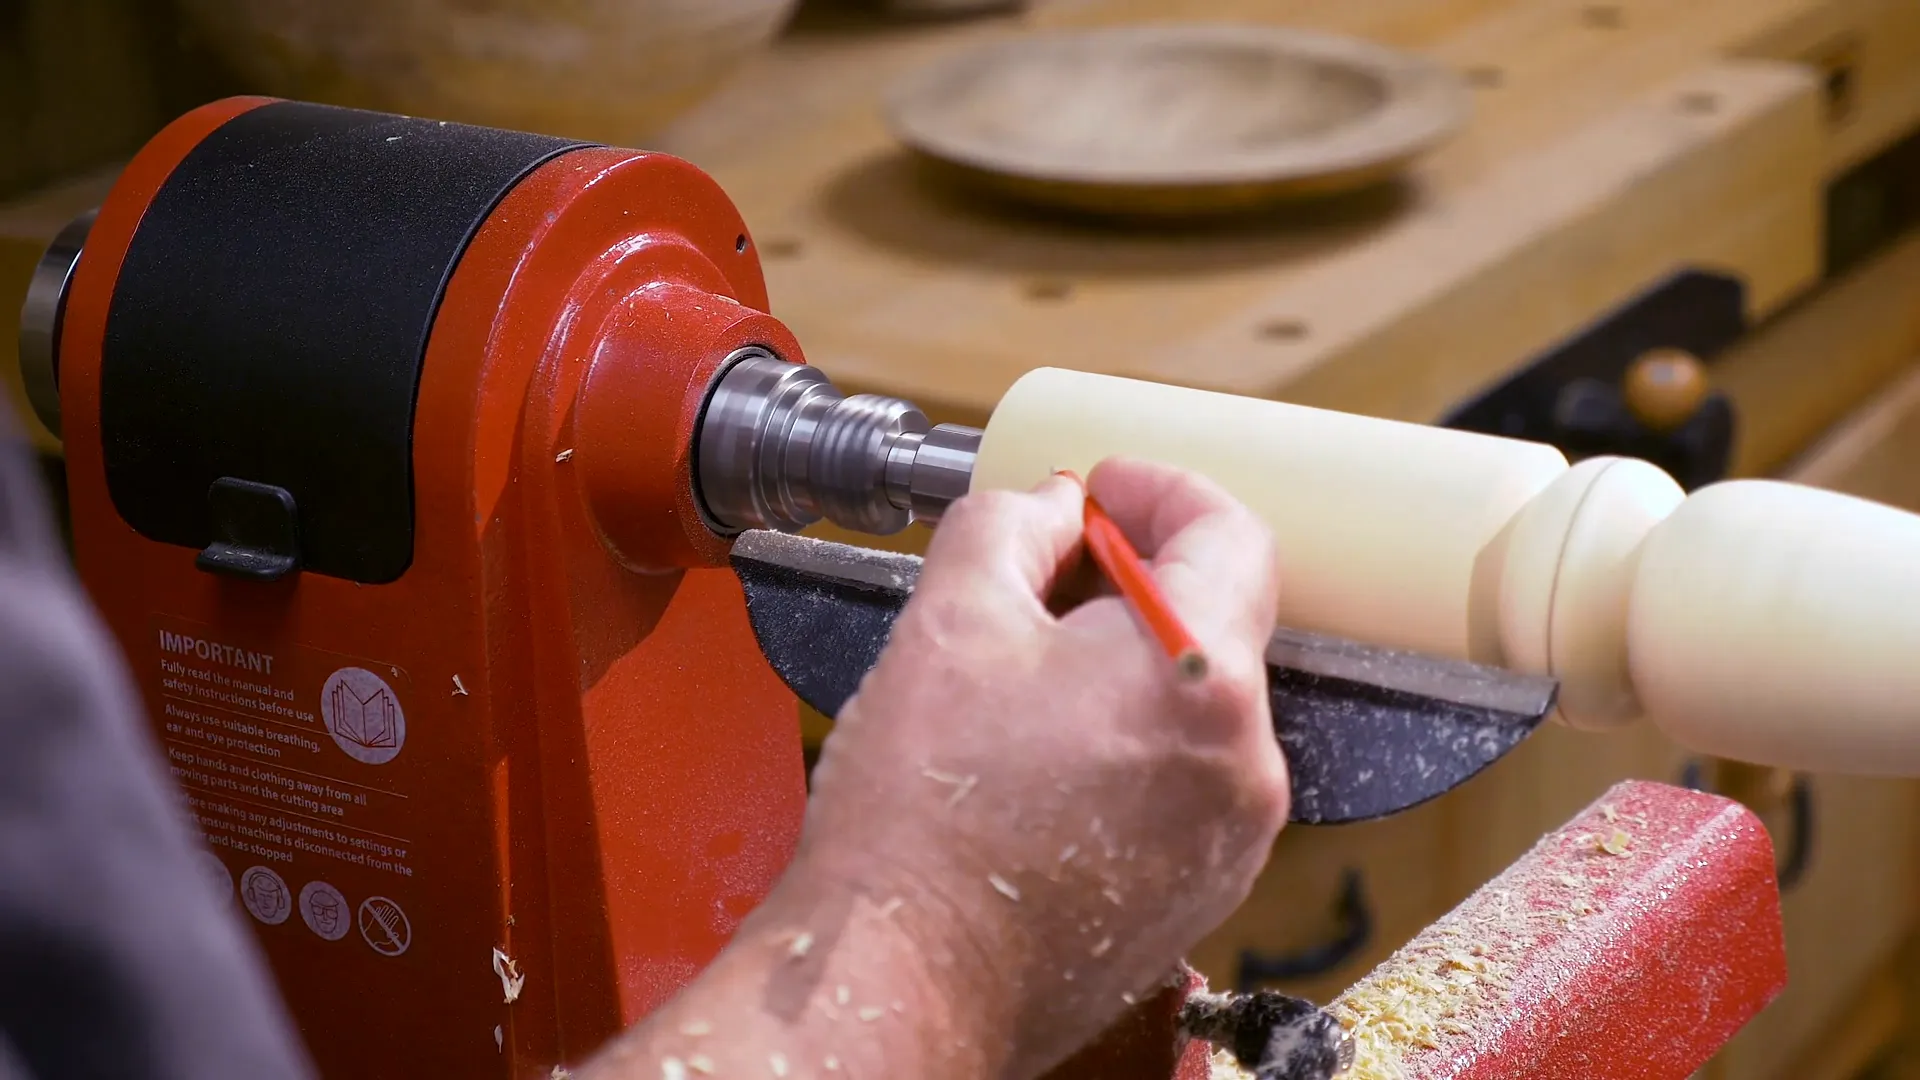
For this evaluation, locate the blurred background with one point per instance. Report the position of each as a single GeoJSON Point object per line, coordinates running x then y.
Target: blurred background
{"type": "Point", "coordinates": [1679, 230]}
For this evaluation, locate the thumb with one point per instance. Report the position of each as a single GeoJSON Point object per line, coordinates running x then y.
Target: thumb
{"type": "Point", "coordinates": [1016, 541]}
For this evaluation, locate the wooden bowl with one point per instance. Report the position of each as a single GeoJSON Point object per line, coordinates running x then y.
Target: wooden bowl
{"type": "Point", "coordinates": [1172, 120]}
{"type": "Point", "coordinates": [611, 71]}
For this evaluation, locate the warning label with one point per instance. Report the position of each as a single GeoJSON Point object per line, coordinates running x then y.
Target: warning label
{"type": "Point", "coordinates": [284, 755]}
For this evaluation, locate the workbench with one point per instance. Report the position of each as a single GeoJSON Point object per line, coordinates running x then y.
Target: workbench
{"type": "Point", "coordinates": [1610, 144]}
{"type": "Point", "coordinates": [1765, 142]}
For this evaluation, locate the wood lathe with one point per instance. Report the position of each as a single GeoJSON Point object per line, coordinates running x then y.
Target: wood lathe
{"type": "Point", "coordinates": [435, 481]}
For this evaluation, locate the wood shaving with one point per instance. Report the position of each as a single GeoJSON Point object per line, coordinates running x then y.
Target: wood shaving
{"type": "Point", "coordinates": [1004, 887]}
{"type": "Point", "coordinates": [1100, 948]}
{"type": "Point", "coordinates": [887, 909]}
{"type": "Point", "coordinates": [1618, 843]}
{"type": "Point", "coordinates": [696, 1028]}
{"type": "Point", "coordinates": [673, 1069]}
{"type": "Point", "coordinates": [459, 688]}
{"type": "Point", "coordinates": [563, 455]}
{"type": "Point", "coordinates": [831, 1064]}
{"type": "Point", "coordinates": [701, 1064]}
{"type": "Point", "coordinates": [801, 944]}
{"type": "Point", "coordinates": [511, 980]}
{"type": "Point", "coordinates": [842, 995]}
{"type": "Point", "coordinates": [962, 791]}
{"type": "Point", "coordinates": [869, 1014]}
{"type": "Point", "coordinates": [1457, 975]}
{"type": "Point", "coordinates": [962, 785]}
{"type": "Point", "coordinates": [777, 1063]}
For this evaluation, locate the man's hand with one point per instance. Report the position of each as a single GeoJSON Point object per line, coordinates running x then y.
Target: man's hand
{"type": "Point", "coordinates": [1022, 821]}
{"type": "Point", "coordinates": [1049, 801]}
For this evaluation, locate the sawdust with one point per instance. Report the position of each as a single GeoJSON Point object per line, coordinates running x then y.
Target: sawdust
{"type": "Point", "coordinates": [1422, 994]}
{"type": "Point", "coordinates": [1453, 982]}
{"type": "Point", "coordinates": [1222, 1066]}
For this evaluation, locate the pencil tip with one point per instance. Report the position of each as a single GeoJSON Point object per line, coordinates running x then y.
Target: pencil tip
{"type": "Point", "coordinates": [1192, 664]}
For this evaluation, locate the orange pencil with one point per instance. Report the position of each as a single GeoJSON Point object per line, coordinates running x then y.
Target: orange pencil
{"type": "Point", "coordinates": [1122, 564]}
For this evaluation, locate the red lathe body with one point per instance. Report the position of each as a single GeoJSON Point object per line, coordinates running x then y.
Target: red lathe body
{"type": "Point", "coordinates": [512, 723]}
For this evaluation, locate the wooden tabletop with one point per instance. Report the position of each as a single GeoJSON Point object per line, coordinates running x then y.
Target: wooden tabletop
{"type": "Point", "coordinates": [1610, 144]}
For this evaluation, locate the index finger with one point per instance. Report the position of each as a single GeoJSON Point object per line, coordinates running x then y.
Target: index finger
{"type": "Point", "coordinates": [1212, 555]}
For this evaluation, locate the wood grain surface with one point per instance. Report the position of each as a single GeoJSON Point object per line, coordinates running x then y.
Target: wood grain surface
{"type": "Point", "coordinates": [1609, 144]}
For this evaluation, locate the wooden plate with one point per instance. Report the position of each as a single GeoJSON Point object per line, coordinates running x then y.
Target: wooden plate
{"type": "Point", "coordinates": [1163, 120]}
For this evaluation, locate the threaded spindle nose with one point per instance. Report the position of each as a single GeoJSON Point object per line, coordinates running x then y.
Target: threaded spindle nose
{"type": "Point", "coordinates": [781, 448]}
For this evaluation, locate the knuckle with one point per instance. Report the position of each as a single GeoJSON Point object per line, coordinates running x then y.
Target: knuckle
{"type": "Point", "coordinates": [1228, 707]}
{"type": "Point", "coordinates": [1235, 691]}
{"type": "Point", "coordinates": [1270, 790]}
{"type": "Point", "coordinates": [1236, 716]}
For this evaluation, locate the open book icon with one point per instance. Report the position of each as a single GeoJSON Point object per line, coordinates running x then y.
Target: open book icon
{"type": "Point", "coordinates": [372, 722]}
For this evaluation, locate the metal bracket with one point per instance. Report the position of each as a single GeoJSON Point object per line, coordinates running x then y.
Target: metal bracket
{"type": "Point", "coordinates": [1570, 396]}
{"type": "Point", "coordinates": [1792, 866]}
{"type": "Point", "coordinates": [1356, 930]}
